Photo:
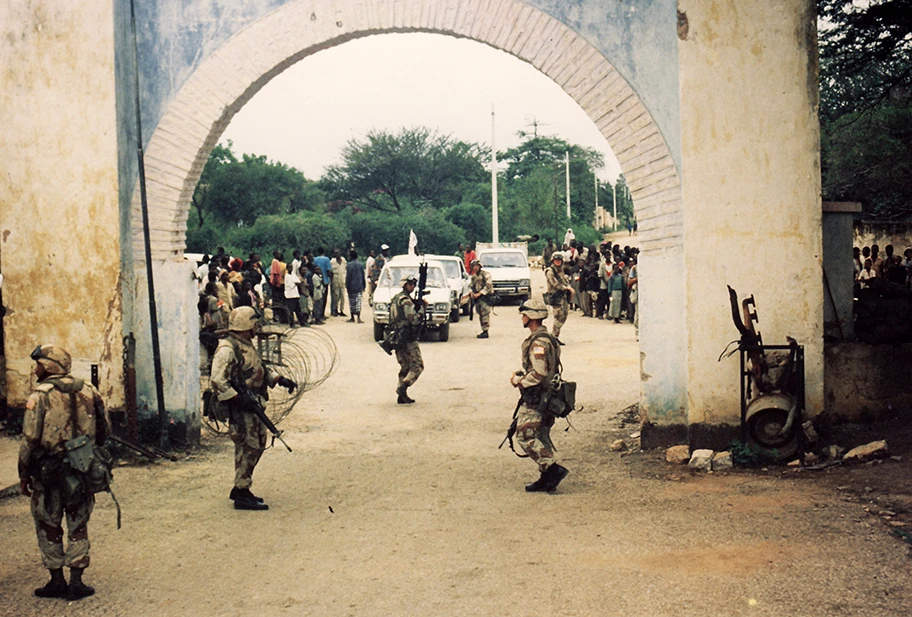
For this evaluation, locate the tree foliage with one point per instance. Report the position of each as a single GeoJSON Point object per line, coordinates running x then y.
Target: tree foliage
{"type": "Point", "coordinates": [410, 169]}
{"type": "Point", "coordinates": [865, 96]}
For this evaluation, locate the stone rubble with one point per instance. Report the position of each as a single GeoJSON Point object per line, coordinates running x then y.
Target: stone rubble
{"type": "Point", "coordinates": [677, 455]}
{"type": "Point", "coordinates": [701, 460]}
{"type": "Point", "coordinates": [873, 450]}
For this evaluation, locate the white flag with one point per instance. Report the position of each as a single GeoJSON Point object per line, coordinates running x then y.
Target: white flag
{"type": "Point", "coordinates": [413, 243]}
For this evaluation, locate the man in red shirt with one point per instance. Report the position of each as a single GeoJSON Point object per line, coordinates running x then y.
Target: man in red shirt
{"type": "Point", "coordinates": [469, 257]}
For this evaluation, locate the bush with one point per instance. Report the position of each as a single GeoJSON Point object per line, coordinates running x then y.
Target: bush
{"type": "Point", "coordinates": [435, 234]}
{"type": "Point", "coordinates": [304, 230]}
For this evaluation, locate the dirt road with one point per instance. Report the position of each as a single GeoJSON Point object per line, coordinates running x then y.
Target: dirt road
{"type": "Point", "coordinates": [388, 510]}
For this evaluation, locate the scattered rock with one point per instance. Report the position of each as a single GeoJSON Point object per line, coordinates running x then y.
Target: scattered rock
{"type": "Point", "coordinates": [875, 449]}
{"type": "Point", "coordinates": [834, 452]}
{"type": "Point", "coordinates": [795, 463]}
{"type": "Point", "coordinates": [722, 460]}
{"type": "Point", "coordinates": [678, 455]}
{"type": "Point", "coordinates": [811, 458]}
{"type": "Point", "coordinates": [635, 435]}
{"type": "Point", "coordinates": [809, 432]}
{"type": "Point", "coordinates": [898, 459]}
{"type": "Point", "coordinates": [897, 524]}
{"type": "Point", "coordinates": [675, 477]}
{"type": "Point", "coordinates": [617, 445]}
{"type": "Point", "coordinates": [701, 460]}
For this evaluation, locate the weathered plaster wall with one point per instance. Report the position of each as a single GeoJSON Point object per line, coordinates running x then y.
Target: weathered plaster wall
{"type": "Point", "coordinates": [59, 228]}
{"type": "Point", "coordinates": [751, 176]}
{"type": "Point", "coordinates": [867, 233]}
{"type": "Point", "coordinates": [867, 382]}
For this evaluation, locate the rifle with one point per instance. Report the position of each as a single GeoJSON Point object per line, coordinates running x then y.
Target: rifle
{"type": "Point", "coordinates": [420, 293]}
{"type": "Point", "coordinates": [512, 431]}
{"type": "Point", "coordinates": [256, 407]}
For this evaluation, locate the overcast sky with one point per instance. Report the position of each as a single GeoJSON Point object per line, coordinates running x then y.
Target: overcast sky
{"type": "Point", "coordinates": [304, 116]}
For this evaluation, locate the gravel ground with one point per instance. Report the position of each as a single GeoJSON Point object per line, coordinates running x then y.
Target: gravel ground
{"type": "Point", "coordinates": [386, 510]}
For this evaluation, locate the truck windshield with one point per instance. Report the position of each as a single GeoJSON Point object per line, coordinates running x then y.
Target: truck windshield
{"type": "Point", "coordinates": [503, 260]}
{"type": "Point", "coordinates": [393, 274]}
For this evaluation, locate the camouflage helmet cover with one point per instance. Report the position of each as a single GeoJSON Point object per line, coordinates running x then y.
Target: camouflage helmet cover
{"type": "Point", "coordinates": [534, 309]}
{"type": "Point", "coordinates": [242, 318]}
{"type": "Point", "coordinates": [53, 358]}
{"type": "Point", "coordinates": [408, 278]}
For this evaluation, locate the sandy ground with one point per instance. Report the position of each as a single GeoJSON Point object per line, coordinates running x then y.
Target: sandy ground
{"type": "Point", "coordinates": [389, 510]}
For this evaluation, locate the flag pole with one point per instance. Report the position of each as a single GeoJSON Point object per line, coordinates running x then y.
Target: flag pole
{"type": "Point", "coordinates": [495, 233]}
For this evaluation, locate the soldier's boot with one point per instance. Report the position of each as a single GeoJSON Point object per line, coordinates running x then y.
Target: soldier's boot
{"type": "Point", "coordinates": [249, 502]}
{"type": "Point", "coordinates": [55, 588]}
{"type": "Point", "coordinates": [554, 475]}
{"type": "Point", "coordinates": [483, 335]}
{"type": "Point", "coordinates": [539, 486]}
{"type": "Point", "coordinates": [240, 493]}
{"type": "Point", "coordinates": [404, 398]}
{"type": "Point", "coordinates": [77, 589]}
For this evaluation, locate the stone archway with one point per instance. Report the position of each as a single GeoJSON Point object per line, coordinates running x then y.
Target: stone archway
{"type": "Point", "coordinates": [203, 107]}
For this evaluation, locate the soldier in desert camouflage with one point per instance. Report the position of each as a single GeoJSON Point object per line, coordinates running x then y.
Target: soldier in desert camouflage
{"type": "Point", "coordinates": [540, 362]}
{"type": "Point", "coordinates": [407, 320]}
{"type": "Point", "coordinates": [482, 292]}
{"type": "Point", "coordinates": [236, 358]}
{"type": "Point", "coordinates": [60, 408]}
{"type": "Point", "coordinates": [558, 289]}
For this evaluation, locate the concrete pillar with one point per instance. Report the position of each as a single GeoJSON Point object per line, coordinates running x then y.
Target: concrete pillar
{"type": "Point", "coordinates": [59, 223]}
{"type": "Point", "coordinates": [751, 192]}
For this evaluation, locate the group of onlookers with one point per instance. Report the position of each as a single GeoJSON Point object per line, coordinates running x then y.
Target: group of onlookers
{"type": "Point", "coordinates": [603, 278]}
{"type": "Point", "coordinates": [870, 263]}
{"type": "Point", "coordinates": [297, 292]}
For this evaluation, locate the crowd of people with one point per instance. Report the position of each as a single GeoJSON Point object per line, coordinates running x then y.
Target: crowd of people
{"type": "Point", "coordinates": [299, 292]}
{"type": "Point", "coordinates": [871, 264]}
{"type": "Point", "coordinates": [603, 279]}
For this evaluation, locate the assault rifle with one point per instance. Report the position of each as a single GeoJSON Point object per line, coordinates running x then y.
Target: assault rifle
{"type": "Point", "coordinates": [252, 402]}
{"type": "Point", "coordinates": [420, 292]}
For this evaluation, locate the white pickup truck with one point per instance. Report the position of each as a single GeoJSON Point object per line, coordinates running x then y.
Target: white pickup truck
{"type": "Point", "coordinates": [437, 298]}
{"type": "Point", "coordinates": [509, 269]}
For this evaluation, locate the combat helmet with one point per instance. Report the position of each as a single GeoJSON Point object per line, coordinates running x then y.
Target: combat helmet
{"type": "Point", "coordinates": [53, 358]}
{"type": "Point", "coordinates": [242, 318]}
{"type": "Point", "coordinates": [408, 278]}
{"type": "Point", "coordinates": [534, 309]}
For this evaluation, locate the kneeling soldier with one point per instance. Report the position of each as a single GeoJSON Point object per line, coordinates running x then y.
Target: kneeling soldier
{"type": "Point", "coordinates": [236, 360]}
{"type": "Point", "coordinates": [60, 409]}
{"type": "Point", "coordinates": [540, 362]}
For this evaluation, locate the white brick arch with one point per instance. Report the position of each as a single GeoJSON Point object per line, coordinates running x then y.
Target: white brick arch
{"type": "Point", "coordinates": [225, 81]}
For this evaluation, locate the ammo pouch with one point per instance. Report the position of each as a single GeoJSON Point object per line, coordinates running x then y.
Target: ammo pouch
{"type": "Point", "coordinates": [553, 298]}
{"type": "Point", "coordinates": [562, 399]}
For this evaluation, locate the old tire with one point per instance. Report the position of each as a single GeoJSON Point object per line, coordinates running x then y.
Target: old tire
{"type": "Point", "coordinates": [454, 315]}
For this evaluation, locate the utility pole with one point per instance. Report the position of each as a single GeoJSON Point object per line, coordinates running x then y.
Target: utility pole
{"type": "Point", "coordinates": [494, 230]}
{"type": "Point", "coordinates": [614, 198]}
{"type": "Point", "coordinates": [567, 168]}
{"type": "Point", "coordinates": [598, 218]}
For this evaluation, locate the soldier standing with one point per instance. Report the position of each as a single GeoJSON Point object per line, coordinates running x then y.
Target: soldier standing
{"type": "Point", "coordinates": [540, 362]}
{"type": "Point", "coordinates": [482, 293]}
{"type": "Point", "coordinates": [407, 320]}
{"type": "Point", "coordinates": [559, 289]}
{"type": "Point", "coordinates": [236, 360]}
{"type": "Point", "coordinates": [61, 408]}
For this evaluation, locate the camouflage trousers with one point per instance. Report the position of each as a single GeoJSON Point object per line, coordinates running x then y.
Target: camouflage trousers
{"type": "Point", "coordinates": [249, 437]}
{"type": "Point", "coordinates": [560, 316]}
{"type": "Point", "coordinates": [484, 315]}
{"type": "Point", "coordinates": [533, 434]}
{"type": "Point", "coordinates": [49, 505]}
{"type": "Point", "coordinates": [410, 363]}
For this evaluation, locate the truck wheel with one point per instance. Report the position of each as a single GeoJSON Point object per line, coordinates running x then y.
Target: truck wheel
{"type": "Point", "coordinates": [454, 315]}
{"type": "Point", "coordinates": [378, 331]}
{"type": "Point", "coordinates": [443, 334]}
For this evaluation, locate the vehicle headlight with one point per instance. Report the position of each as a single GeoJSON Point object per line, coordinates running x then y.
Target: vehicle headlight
{"type": "Point", "coordinates": [379, 306]}
{"type": "Point", "coordinates": [524, 282]}
{"type": "Point", "coordinates": [440, 307]}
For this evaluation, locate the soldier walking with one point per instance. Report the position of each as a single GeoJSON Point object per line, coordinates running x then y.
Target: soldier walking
{"type": "Point", "coordinates": [482, 294]}
{"type": "Point", "coordinates": [540, 362]}
{"type": "Point", "coordinates": [406, 319]}
{"type": "Point", "coordinates": [559, 291]}
{"type": "Point", "coordinates": [60, 408]}
{"type": "Point", "coordinates": [236, 361]}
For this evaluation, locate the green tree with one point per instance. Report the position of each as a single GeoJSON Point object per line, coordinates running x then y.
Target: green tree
{"type": "Point", "coordinates": [865, 96]}
{"type": "Point", "coordinates": [410, 169]}
{"type": "Point", "coordinates": [303, 230]}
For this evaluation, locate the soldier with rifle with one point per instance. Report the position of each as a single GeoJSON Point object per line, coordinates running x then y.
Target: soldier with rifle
{"type": "Point", "coordinates": [407, 316]}
{"type": "Point", "coordinates": [239, 379]}
{"type": "Point", "coordinates": [533, 419]}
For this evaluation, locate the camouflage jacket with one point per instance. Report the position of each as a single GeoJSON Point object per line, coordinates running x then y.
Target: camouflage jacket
{"type": "Point", "coordinates": [482, 283]}
{"type": "Point", "coordinates": [237, 358]}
